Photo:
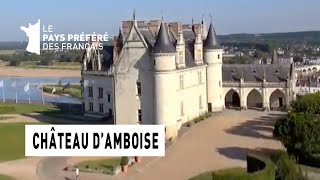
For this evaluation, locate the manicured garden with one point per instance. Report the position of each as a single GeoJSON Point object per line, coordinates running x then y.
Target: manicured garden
{"type": "Point", "coordinates": [106, 166]}
{"type": "Point", "coordinates": [73, 90]}
{"type": "Point", "coordinates": [278, 166]}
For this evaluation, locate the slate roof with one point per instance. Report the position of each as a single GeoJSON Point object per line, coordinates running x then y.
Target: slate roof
{"type": "Point", "coordinates": [148, 36]}
{"type": "Point", "coordinates": [188, 34]}
{"type": "Point", "coordinates": [163, 42]}
{"type": "Point", "coordinates": [107, 59]}
{"type": "Point", "coordinates": [189, 43]}
{"type": "Point", "coordinates": [255, 72]}
{"type": "Point", "coordinates": [211, 42]}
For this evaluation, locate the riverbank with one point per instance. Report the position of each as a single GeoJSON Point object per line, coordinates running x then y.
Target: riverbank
{"type": "Point", "coordinates": [60, 90]}
{"type": "Point", "coordinates": [24, 72]}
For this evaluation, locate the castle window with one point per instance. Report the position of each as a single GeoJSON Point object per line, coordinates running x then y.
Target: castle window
{"type": "Point", "coordinates": [90, 91]}
{"type": "Point", "coordinates": [199, 77]}
{"type": "Point", "coordinates": [181, 81]}
{"type": "Point", "coordinates": [218, 56]}
{"type": "Point", "coordinates": [181, 109]}
{"type": "Point", "coordinates": [254, 71]}
{"type": "Point", "coordinates": [200, 102]}
{"type": "Point", "coordinates": [233, 71]}
{"type": "Point", "coordinates": [101, 109]}
{"type": "Point", "coordinates": [180, 57]}
{"type": "Point", "coordinates": [139, 88]}
{"type": "Point", "coordinates": [139, 116]}
{"type": "Point", "coordinates": [109, 98]}
{"type": "Point", "coordinates": [100, 96]}
{"type": "Point", "coordinates": [199, 55]}
{"type": "Point", "coordinates": [277, 71]}
{"type": "Point", "coordinates": [90, 106]}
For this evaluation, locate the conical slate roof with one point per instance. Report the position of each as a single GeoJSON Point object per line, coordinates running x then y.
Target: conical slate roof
{"type": "Point", "coordinates": [163, 43]}
{"type": "Point", "coordinates": [211, 42]}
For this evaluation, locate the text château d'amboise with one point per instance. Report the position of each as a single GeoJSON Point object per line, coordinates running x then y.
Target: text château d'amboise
{"type": "Point", "coordinates": [106, 140]}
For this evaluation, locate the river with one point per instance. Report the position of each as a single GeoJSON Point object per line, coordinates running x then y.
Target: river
{"type": "Point", "coordinates": [9, 91]}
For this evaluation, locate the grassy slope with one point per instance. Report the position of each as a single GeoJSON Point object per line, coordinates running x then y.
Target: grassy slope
{"type": "Point", "coordinates": [12, 141]}
{"type": "Point", "coordinates": [73, 91]}
{"type": "Point", "coordinates": [3, 177]}
{"type": "Point", "coordinates": [24, 108]}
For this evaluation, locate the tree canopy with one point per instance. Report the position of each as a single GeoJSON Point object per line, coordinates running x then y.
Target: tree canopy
{"type": "Point", "coordinates": [299, 130]}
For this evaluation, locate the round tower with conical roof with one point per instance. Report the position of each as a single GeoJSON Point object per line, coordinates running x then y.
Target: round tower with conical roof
{"type": "Point", "coordinates": [165, 79]}
{"type": "Point", "coordinates": [213, 57]}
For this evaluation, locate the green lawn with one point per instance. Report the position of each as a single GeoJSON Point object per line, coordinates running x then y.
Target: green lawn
{"type": "Point", "coordinates": [10, 108]}
{"type": "Point", "coordinates": [3, 177]}
{"type": "Point", "coordinates": [105, 165]}
{"type": "Point", "coordinates": [73, 91]}
{"type": "Point", "coordinates": [12, 141]}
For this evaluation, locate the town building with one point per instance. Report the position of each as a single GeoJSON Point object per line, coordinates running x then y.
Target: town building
{"type": "Point", "coordinates": [169, 73]}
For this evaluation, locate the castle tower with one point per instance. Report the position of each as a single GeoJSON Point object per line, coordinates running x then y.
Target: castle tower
{"type": "Point", "coordinates": [181, 48]}
{"type": "Point", "coordinates": [213, 57]}
{"type": "Point", "coordinates": [165, 79]}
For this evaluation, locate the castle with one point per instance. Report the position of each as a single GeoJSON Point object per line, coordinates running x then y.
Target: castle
{"type": "Point", "coordinates": [169, 73]}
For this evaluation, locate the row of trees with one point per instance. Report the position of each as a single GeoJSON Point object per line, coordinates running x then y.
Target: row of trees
{"type": "Point", "coordinates": [46, 58]}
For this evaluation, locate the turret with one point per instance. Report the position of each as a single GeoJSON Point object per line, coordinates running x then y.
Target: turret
{"type": "Point", "coordinates": [165, 82]}
{"type": "Point", "coordinates": [211, 46]}
{"type": "Point", "coordinates": [163, 51]}
{"type": "Point", "coordinates": [181, 47]}
{"type": "Point", "coordinates": [213, 57]}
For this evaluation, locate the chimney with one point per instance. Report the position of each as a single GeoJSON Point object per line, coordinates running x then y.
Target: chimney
{"type": "Point", "coordinates": [197, 28]}
{"type": "Point", "coordinates": [154, 26]}
{"type": "Point", "coordinates": [115, 48]}
{"type": "Point", "coordinates": [175, 27]}
{"type": "Point", "coordinates": [126, 26]}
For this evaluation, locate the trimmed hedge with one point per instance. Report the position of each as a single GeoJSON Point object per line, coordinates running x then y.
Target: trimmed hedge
{"type": "Point", "coordinates": [197, 119]}
{"type": "Point", "coordinates": [258, 168]}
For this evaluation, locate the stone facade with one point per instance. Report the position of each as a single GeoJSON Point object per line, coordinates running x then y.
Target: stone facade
{"type": "Point", "coordinates": [169, 73]}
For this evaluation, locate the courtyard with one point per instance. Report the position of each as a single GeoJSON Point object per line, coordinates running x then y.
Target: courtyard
{"type": "Point", "coordinates": [221, 141]}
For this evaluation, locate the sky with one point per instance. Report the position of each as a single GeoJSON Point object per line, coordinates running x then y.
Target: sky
{"type": "Point", "coordinates": [100, 16]}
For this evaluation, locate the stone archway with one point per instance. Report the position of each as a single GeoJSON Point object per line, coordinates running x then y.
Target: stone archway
{"type": "Point", "coordinates": [254, 99]}
{"type": "Point", "coordinates": [232, 99]}
{"type": "Point", "coordinates": [314, 69]}
{"type": "Point", "coordinates": [277, 100]}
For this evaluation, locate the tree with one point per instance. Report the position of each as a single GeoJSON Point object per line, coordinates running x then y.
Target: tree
{"type": "Point", "coordinates": [297, 59]}
{"type": "Point", "coordinates": [14, 62]}
{"type": "Point", "coordinates": [299, 130]}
